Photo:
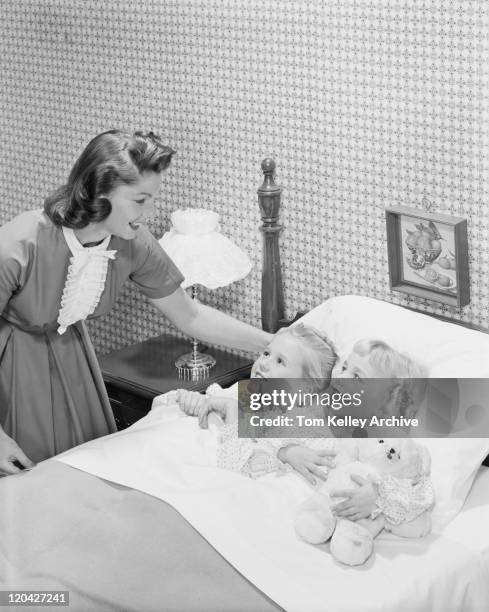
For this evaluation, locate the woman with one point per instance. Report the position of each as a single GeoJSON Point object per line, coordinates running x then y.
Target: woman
{"type": "Point", "coordinates": [68, 263]}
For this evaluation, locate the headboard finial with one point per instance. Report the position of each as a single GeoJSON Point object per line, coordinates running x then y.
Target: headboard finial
{"type": "Point", "coordinates": [272, 305]}
{"type": "Point", "coordinates": [268, 165]}
{"type": "Point", "coordinates": [269, 193]}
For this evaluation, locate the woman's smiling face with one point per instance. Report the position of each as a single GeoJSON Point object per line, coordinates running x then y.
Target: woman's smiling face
{"type": "Point", "coordinates": [132, 205]}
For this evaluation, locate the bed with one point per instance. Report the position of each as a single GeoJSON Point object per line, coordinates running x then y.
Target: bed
{"type": "Point", "coordinates": [143, 520]}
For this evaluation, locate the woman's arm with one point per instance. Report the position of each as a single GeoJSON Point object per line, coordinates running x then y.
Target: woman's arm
{"type": "Point", "coordinates": [210, 325]}
{"type": "Point", "coordinates": [13, 258]}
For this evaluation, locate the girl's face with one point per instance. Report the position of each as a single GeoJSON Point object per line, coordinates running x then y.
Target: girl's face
{"type": "Point", "coordinates": [283, 358]}
{"type": "Point", "coordinates": [359, 367]}
{"type": "Point", "coordinates": [132, 205]}
{"type": "Point", "coordinates": [355, 375]}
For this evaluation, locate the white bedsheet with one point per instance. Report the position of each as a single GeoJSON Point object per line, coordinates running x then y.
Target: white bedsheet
{"type": "Point", "coordinates": [471, 526]}
{"type": "Point", "coordinates": [250, 523]}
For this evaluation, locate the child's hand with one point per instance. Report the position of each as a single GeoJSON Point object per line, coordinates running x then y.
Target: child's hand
{"type": "Point", "coordinates": [307, 462]}
{"type": "Point", "coordinates": [225, 407]}
{"type": "Point", "coordinates": [360, 502]}
{"type": "Point", "coordinates": [170, 397]}
{"type": "Point", "coordinates": [191, 402]}
{"type": "Point", "coordinates": [259, 464]}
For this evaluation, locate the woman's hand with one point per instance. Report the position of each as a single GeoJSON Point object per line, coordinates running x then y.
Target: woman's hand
{"type": "Point", "coordinates": [359, 502]}
{"type": "Point", "coordinates": [308, 462]}
{"type": "Point", "coordinates": [11, 452]}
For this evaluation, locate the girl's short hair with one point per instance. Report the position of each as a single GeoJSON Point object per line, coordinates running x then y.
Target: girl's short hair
{"type": "Point", "coordinates": [387, 360]}
{"type": "Point", "coordinates": [320, 355]}
{"type": "Point", "coordinates": [111, 159]}
{"type": "Point", "coordinates": [392, 364]}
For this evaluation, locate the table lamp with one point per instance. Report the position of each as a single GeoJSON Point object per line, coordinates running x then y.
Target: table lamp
{"type": "Point", "coordinates": [205, 257]}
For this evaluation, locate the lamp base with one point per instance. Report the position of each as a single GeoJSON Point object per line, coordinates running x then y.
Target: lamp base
{"type": "Point", "coordinates": [194, 366]}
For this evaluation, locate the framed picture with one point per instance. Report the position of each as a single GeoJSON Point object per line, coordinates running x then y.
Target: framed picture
{"type": "Point", "coordinates": [428, 255]}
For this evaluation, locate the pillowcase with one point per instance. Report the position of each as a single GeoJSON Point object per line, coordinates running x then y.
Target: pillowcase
{"type": "Point", "coordinates": [447, 351]}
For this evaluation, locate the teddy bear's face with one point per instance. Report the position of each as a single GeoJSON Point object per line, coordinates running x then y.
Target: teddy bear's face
{"type": "Point", "coordinates": [400, 457]}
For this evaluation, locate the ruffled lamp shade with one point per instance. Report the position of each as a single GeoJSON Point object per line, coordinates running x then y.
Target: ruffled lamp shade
{"type": "Point", "coordinates": [203, 255]}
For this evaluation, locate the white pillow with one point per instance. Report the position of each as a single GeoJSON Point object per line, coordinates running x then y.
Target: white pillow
{"type": "Point", "coordinates": [447, 351]}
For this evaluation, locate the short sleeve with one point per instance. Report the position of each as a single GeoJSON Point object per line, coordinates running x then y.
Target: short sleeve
{"type": "Point", "coordinates": [400, 500]}
{"type": "Point", "coordinates": [153, 272]}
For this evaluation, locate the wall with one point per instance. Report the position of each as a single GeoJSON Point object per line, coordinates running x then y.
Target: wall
{"type": "Point", "coordinates": [363, 103]}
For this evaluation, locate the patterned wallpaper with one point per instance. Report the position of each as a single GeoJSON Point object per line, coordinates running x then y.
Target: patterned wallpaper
{"type": "Point", "coordinates": [363, 103]}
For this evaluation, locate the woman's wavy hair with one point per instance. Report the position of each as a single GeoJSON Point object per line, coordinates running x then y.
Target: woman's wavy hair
{"type": "Point", "coordinates": [111, 159]}
{"type": "Point", "coordinates": [319, 352]}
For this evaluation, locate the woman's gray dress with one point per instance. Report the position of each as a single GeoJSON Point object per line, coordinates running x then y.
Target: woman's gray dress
{"type": "Point", "coordinates": [52, 396]}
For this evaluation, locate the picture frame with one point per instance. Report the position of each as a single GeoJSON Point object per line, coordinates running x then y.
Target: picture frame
{"type": "Point", "coordinates": [428, 255]}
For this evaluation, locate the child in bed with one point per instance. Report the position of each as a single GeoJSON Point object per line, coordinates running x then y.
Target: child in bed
{"type": "Point", "coordinates": [302, 352]}
{"type": "Point", "coordinates": [297, 352]}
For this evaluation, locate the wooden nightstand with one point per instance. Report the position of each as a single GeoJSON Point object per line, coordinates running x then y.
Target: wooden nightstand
{"type": "Point", "coordinates": [136, 374]}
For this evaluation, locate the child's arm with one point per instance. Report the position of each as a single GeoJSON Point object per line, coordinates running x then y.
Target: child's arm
{"type": "Point", "coordinates": [190, 402]}
{"type": "Point", "coordinates": [398, 499]}
{"type": "Point", "coordinates": [311, 463]}
{"type": "Point", "coordinates": [196, 404]}
{"type": "Point", "coordinates": [257, 457]}
{"type": "Point", "coordinates": [247, 456]}
{"type": "Point", "coordinates": [359, 502]}
{"type": "Point", "coordinates": [225, 407]}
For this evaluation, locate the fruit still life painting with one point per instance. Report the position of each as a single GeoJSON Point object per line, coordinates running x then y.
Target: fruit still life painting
{"type": "Point", "coordinates": [428, 254]}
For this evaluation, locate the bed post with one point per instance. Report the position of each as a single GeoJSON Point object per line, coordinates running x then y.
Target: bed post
{"type": "Point", "coordinates": [272, 299]}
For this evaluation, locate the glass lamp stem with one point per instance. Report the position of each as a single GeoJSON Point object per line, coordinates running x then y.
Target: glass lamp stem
{"type": "Point", "coordinates": [194, 365]}
{"type": "Point", "coordinates": [194, 349]}
{"type": "Point", "coordinates": [195, 343]}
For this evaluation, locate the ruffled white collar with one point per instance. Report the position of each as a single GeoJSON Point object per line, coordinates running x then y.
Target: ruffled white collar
{"type": "Point", "coordinates": [85, 280]}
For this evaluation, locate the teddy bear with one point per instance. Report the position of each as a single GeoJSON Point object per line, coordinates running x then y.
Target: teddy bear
{"type": "Point", "coordinates": [399, 464]}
